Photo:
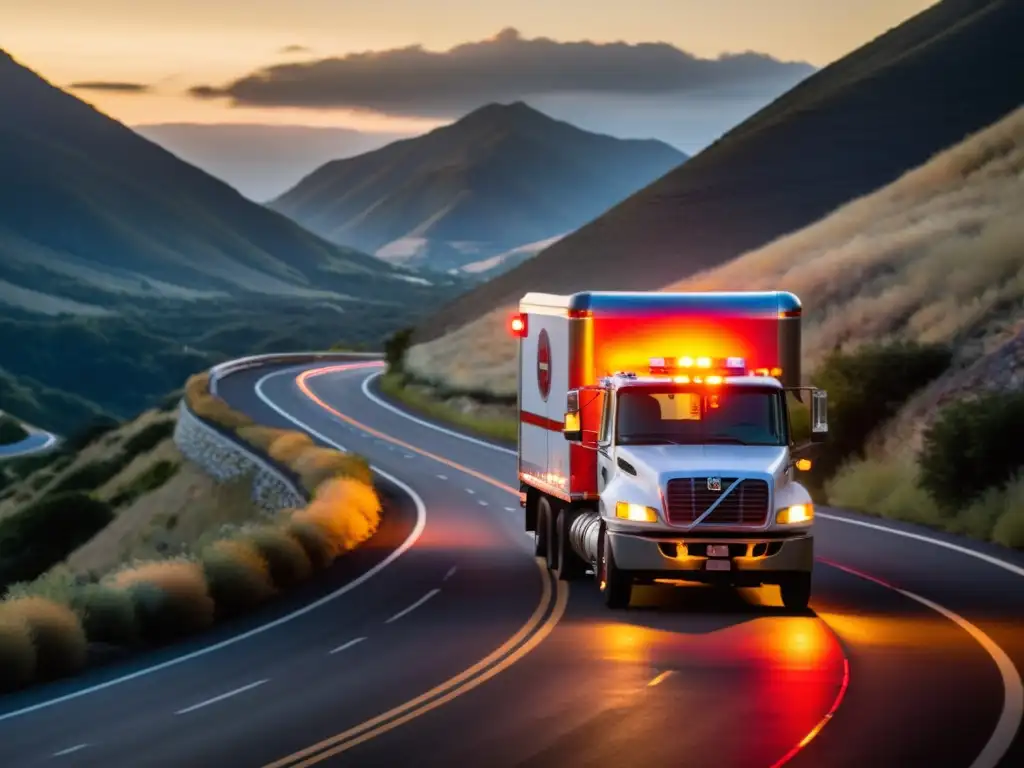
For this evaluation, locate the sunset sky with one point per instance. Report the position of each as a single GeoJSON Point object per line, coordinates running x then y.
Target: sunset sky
{"type": "Point", "coordinates": [171, 46]}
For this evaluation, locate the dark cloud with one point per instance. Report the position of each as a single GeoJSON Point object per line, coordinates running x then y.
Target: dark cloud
{"type": "Point", "coordinates": [415, 81]}
{"type": "Point", "coordinates": [104, 85]}
{"type": "Point", "coordinates": [295, 49]}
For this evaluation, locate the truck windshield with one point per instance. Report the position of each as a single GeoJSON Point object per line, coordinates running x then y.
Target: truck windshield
{"type": "Point", "coordinates": [687, 416]}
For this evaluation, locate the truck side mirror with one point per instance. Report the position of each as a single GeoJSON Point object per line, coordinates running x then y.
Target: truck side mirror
{"type": "Point", "coordinates": [572, 426]}
{"type": "Point", "coordinates": [819, 416]}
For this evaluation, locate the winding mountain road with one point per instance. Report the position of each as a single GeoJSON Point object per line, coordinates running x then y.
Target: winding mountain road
{"type": "Point", "coordinates": [444, 642]}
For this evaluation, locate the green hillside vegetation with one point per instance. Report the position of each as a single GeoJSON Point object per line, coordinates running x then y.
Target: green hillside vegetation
{"type": "Point", "coordinates": [117, 540]}
{"type": "Point", "coordinates": [88, 207]}
{"type": "Point", "coordinates": [845, 131]}
{"type": "Point", "coordinates": [11, 430]}
{"type": "Point", "coordinates": [501, 177]}
{"type": "Point", "coordinates": [932, 259]}
{"type": "Point", "coordinates": [59, 373]}
{"type": "Point", "coordinates": [123, 270]}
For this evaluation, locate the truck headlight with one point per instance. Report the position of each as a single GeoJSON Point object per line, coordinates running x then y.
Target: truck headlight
{"type": "Point", "coordinates": [798, 513]}
{"type": "Point", "coordinates": [636, 513]}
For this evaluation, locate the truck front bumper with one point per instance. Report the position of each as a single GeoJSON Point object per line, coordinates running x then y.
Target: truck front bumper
{"type": "Point", "coordinates": [749, 561]}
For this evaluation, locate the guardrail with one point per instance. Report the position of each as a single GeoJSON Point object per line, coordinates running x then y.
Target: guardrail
{"type": "Point", "coordinates": [218, 372]}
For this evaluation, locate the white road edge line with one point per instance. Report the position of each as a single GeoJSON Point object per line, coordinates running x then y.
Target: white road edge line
{"type": "Point", "coordinates": [1013, 705]}
{"type": "Point", "coordinates": [990, 559]}
{"type": "Point", "coordinates": [451, 572]}
{"type": "Point", "coordinates": [414, 606]}
{"type": "Point", "coordinates": [70, 750]}
{"type": "Point", "coordinates": [423, 422]}
{"type": "Point", "coordinates": [1013, 688]}
{"type": "Point", "coordinates": [414, 535]}
{"type": "Point", "coordinates": [346, 646]}
{"type": "Point", "coordinates": [223, 696]}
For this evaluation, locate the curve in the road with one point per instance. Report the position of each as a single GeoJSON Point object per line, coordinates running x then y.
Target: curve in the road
{"type": "Point", "coordinates": [588, 686]}
{"type": "Point", "coordinates": [1012, 710]}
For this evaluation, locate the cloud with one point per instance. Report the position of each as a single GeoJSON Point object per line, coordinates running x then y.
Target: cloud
{"type": "Point", "coordinates": [115, 87]}
{"type": "Point", "coordinates": [413, 81]}
{"type": "Point", "coordinates": [295, 49]}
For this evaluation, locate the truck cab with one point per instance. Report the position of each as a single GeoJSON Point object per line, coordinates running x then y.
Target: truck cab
{"type": "Point", "coordinates": [677, 469]}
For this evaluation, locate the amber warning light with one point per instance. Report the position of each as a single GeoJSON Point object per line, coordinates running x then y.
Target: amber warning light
{"type": "Point", "coordinates": [518, 324]}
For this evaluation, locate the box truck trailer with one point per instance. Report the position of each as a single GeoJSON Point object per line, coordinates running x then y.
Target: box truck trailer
{"type": "Point", "coordinates": [655, 441]}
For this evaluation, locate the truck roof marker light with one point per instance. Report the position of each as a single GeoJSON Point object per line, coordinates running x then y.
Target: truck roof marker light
{"type": "Point", "coordinates": [517, 324]}
{"type": "Point", "coordinates": [703, 362]}
{"type": "Point", "coordinates": [681, 380]}
{"type": "Point", "coordinates": [713, 380]}
{"type": "Point", "coordinates": [686, 362]}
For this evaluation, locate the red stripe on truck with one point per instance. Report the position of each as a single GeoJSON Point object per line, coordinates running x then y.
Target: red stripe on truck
{"type": "Point", "coordinates": [540, 421]}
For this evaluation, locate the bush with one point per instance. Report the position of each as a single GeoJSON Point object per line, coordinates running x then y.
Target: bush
{"type": "Point", "coordinates": [89, 434]}
{"type": "Point", "coordinates": [211, 408]}
{"type": "Point", "coordinates": [285, 557]}
{"type": "Point", "coordinates": [287, 448]}
{"type": "Point", "coordinates": [395, 348]}
{"type": "Point", "coordinates": [149, 437]}
{"type": "Point", "coordinates": [11, 430]}
{"type": "Point", "coordinates": [92, 475]}
{"type": "Point", "coordinates": [238, 575]}
{"type": "Point", "coordinates": [261, 438]}
{"type": "Point", "coordinates": [315, 465]}
{"type": "Point", "coordinates": [107, 614]}
{"type": "Point", "coordinates": [57, 635]}
{"type": "Point", "coordinates": [170, 598]}
{"type": "Point", "coordinates": [154, 477]}
{"type": "Point", "coordinates": [346, 509]}
{"type": "Point", "coordinates": [315, 540]}
{"type": "Point", "coordinates": [17, 653]}
{"type": "Point", "coordinates": [868, 387]}
{"type": "Point", "coordinates": [972, 446]}
{"type": "Point", "coordinates": [37, 537]}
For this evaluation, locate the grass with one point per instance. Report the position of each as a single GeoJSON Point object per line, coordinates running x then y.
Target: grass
{"type": "Point", "coordinates": [494, 424]}
{"type": "Point", "coordinates": [934, 257]}
{"type": "Point", "coordinates": [182, 551]}
{"type": "Point", "coordinates": [889, 488]}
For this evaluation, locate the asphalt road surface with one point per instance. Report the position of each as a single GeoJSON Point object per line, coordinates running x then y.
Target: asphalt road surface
{"type": "Point", "coordinates": [444, 642]}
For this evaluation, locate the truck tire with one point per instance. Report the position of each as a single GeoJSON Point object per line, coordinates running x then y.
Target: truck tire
{"type": "Point", "coordinates": [541, 527]}
{"type": "Point", "coordinates": [796, 592]}
{"type": "Point", "coordinates": [568, 565]}
{"type": "Point", "coordinates": [616, 586]}
{"type": "Point", "coordinates": [545, 524]}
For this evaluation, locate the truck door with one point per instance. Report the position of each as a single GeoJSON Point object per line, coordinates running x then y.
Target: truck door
{"type": "Point", "coordinates": [605, 462]}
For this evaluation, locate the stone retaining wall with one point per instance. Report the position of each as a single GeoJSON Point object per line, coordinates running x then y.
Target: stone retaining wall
{"type": "Point", "coordinates": [225, 459]}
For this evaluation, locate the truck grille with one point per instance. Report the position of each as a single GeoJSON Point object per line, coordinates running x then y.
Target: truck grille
{"type": "Point", "coordinates": [687, 498]}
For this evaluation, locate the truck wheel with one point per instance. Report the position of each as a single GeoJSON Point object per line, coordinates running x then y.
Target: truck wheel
{"type": "Point", "coordinates": [545, 519]}
{"type": "Point", "coordinates": [568, 566]}
{"type": "Point", "coordinates": [616, 587]}
{"type": "Point", "coordinates": [796, 592]}
{"type": "Point", "coordinates": [540, 529]}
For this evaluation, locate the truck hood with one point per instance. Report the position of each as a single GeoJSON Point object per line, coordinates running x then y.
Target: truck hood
{"type": "Point", "coordinates": [668, 461]}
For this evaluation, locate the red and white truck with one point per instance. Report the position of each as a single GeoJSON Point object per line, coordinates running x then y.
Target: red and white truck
{"type": "Point", "coordinates": [655, 441]}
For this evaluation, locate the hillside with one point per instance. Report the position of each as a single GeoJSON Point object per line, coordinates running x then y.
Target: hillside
{"type": "Point", "coordinates": [933, 257]}
{"type": "Point", "coordinates": [88, 208]}
{"type": "Point", "coordinates": [260, 161]}
{"type": "Point", "coordinates": [847, 130]}
{"type": "Point", "coordinates": [502, 176]}
{"type": "Point", "coordinates": [123, 269]}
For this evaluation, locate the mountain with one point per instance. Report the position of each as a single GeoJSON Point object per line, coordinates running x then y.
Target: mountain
{"type": "Point", "coordinates": [88, 207]}
{"type": "Point", "coordinates": [502, 176]}
{"type": "Point", "coordinates": [260, 161]}
{"type": "Point", "coordinates": [844, 132]}
{"type": "Point", "coordinates": [124, 270]}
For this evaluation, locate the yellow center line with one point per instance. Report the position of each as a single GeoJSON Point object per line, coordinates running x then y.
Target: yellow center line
{"type": "Point", "coordinates": [660, 678]}
{"type": "Point", "coordinates": [534, 631]}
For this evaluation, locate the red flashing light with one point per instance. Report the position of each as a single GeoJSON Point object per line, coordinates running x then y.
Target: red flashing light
{"type": "Point", "coordinates": [517, 325]}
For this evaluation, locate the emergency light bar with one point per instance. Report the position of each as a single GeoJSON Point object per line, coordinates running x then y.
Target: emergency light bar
{"type": "Point", "coordinates": [735, 366]}
{"type": "Point", "coordinates": [724, 366]}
